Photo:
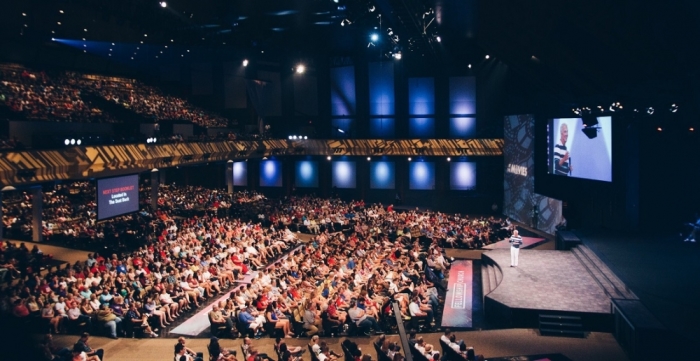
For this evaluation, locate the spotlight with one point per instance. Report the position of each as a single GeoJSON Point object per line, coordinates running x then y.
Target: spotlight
{"type": "Point", "coordinates": [66, 142]}
{"type": "Point", "coordinates": [301, 68]}
{"type": "Point", "coordinates": [306, 137]}
{"type": "Point", "coordinates": [245, 62]}
{"type": "Point", "coordinates": [72, 142]}
{"type": "Point", "coordinates": [409, 159]}
{"type": "Point", "coordinates": [163, 4]}
{"type": "Point", "coordinates": [650, 110]}
{"type": "Point", "coordinates": [397, 56]}
{"type": "Point", "coordinates": [487, 57]}
{"type": "Point", "coordinates": [328, 157]}
{"type": "Point", "coordinates": [374, 37]}
{"type": "Point", "coordinates": [438, 38]}
{"type": "Point", "coordinates": [336, 1]}
{"type": "Point", "coordinates": [294, 137]}
{"type": "Point", "coordinates": [692, 129]}
{"type": "Point", "coordinates": [389, 31]}
{"type": "Point", "coordinates": [674, 108]}
{"type": "Point", "coordinates": [340, 130]}
{"type": "Point", "coordinates": [78, 142]}
{"type": "Point", "coordinates": [369, 158]}
{"type": "Point", "coordinates": [659, 129]}
{"type": "Point", "coordinates": [290, 137]}
{"type": "Point", "coordinates": [371, 8]}
{"type": "Point", "coordinates": [469, 66]}
{"type": "Point", "coordinates": [449, 159]}
{"type": "Point", "coordinates": [345, 22]}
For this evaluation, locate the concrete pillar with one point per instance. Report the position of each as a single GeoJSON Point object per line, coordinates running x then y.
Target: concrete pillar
{"type": "Point", "coordinates": [229, 176]}
{"type": "Point", "coordinates": [37, 213]}
{"type": "Point", "coordinates": [155, 185]}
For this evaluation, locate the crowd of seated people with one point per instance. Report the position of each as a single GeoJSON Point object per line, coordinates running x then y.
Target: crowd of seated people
{"type": "Point", "coordinates": [148, 101]}
{"type": "Point", "coordinates": [58, 96]}
{"type": "Point", "coordinates": [38, 96]}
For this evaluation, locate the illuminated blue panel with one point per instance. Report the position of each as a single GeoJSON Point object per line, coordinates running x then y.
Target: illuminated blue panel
{"type": "Point", "coordinates": [306, 174]}
{"type": "Point", "coordinates": [381, 127]}
{"type": "Point", "coordinates": [462, 95]}
{"type": "Point", "coordinates": [344, 174]}
{"type": "Point", "coordinates": [421, 175]}
{"type": "Point", "coordinates": [381, 88]}
{"type": "Point", "coordinates": [462, 127]}
{"type": "Point", "coordinates": [421, 127]}
{"type": "Point", "coordinates": [421, 96]}
{"type": "Point", "coordinates": [240, 174]}
{"type": "Point", "coordinates": [343, 91]}
{"type": "Point", "coordinates": [381, 175]}
{"type": "Point", "coordinates": [270, 173]}
{"type": "Point", "coordinates": [342, 128]}
{"type": "Point", "coordinates": [463, 176]}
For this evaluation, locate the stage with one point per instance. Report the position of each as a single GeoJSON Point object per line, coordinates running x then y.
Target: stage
{"type": "Point", "coordinates": [544, 283]}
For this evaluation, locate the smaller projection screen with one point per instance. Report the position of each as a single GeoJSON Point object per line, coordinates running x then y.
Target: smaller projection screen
{"type": "Point", "coordinates": [421, 175]}
{"type": "Point", "coordinates": [580, 148]}
{"type": "Point", "coordinates": [306, 174]}
{"type": "Point", "coordinates": [240, 174]}
{"type": "Point", "coordinates": [270, 173]}
{"type": "Point", "coordinates": [463, 176]}
{"type": "Point", "coordinates": [117, 196]}
{"type": "Point", "coordinates": [381, 175]}
{"type": "Point", "coordinates": [344, 174]}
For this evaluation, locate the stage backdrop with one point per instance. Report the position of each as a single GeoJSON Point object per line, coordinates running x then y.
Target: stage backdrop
{"type": "Point", "coordinates": [519, 198]}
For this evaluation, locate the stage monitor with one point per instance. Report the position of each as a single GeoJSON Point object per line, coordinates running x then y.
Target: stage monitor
{"type": "Point", "coordinates": [117, 196]}
{"type": "Point", "coordinates": [306, 175]}
{"type": "Point", "coordinates": [580, 147]}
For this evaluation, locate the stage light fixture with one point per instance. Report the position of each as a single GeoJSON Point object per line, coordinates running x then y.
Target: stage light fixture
{"type": "Point", "coordinates": [336, 1]}
{"type": "Point", "coordinates": [389, 31]}
{"type": "Point", "coordinates": [449, 159]}
{"type": "Point", "coordinates": [328, 157]}
{"type": "Point", "coordinates": [438, 38]}
{"type": "Point", "coordinates": [72, 142]}
{"type": "Point", "coordinates": [650, 110]}
{"type": "Point", "coordinates": [371, 8]}
{"type": "Point", "coordinates": [290, 137]}
{"type": "Point", "coordinates": [487, 57]}
{"type": "Point", "coordinates": [301, 68]}
{"type": "Point", "coordinates": [409, 159]}
{"type": "Point", "coordinates": [245, 62]}
{"type": "Point", "coordinates": [469, 66]}
{"type": "Point", "coordinates": [66, 142]}
{"type": "Point", "coordinates": [659, 129]}
{"type": "Point", "coordinates": [691, 129]}
{"type": "Point", "coordinates": [369, 158]}
{"type": "Point", "coordinates": [674, 108]}
{"type": "Point", "coordinates": [306, 137]}
{"type": "Point", "coordinates": [163, 4]}
{"type": "Point", "coordinates": [397, 56]}
{"type": "Point", "coordinates": [78, 142]}
{"type": "Point", "coordinates": [374, 37]}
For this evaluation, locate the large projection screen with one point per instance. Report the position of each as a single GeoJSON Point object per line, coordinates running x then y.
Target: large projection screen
{"type": "Point", "coordinates": [117, 196]}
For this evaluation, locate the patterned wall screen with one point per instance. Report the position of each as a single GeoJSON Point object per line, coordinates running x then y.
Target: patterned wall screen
{"type": "Point", "coordinates": [270, 173]}
{"type": "Point", "coordinates": [240, 174]}
{"type": "Point", "coordinates": [519, 198]}
{"type": "Point", "coordinates": [421, 128]}
{"type": "Point", "coordinates": [462, 127]}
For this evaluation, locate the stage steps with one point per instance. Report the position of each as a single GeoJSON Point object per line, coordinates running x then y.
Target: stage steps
{"type": "Point", "coordinates": [491, 277]}
{"type": "Point", "coordinates": [607, 280]}
{"type": "Point", "coordinates": [561, 325]}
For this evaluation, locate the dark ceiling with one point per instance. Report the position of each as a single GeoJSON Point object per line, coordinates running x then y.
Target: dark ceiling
{"type": "Point", "coordinates": [576, 51]}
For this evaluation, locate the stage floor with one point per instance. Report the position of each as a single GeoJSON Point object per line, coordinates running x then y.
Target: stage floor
{"type": "Point", "coordinates": [547, 280]}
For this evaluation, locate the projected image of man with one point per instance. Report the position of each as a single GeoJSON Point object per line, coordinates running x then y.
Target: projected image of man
{"type": "Point", "coordinates": [562, 160]}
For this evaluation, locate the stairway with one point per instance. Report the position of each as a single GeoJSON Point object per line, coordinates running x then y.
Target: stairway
{"type": "Point", "coordinates": [606, 279]}
{"type": "Point", "coordinates": [561, 325]}
{"type": "Point", "coordinates": [491, 277]}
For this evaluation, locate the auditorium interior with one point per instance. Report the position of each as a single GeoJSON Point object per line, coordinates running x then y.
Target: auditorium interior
{"type": "Point", "coordinates": [358, 180]}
